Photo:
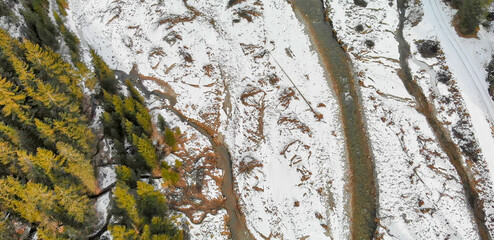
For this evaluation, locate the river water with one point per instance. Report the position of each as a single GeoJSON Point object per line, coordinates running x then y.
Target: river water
{"type": "Point", "coordinates": [337, 64]}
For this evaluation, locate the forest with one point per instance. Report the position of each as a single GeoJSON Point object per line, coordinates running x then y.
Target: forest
{"type": "Point", "coordinates": [47, 144]}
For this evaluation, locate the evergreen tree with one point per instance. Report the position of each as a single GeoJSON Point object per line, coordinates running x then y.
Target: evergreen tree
{"type": "Point", "coordinates": [146, 151]}
{"type": "Point", "coordinates": [469, 16]}
{"type": "Point", "coordinates": [45, 143]}
{"type": "Point", "coordinates": [104, 74]}
{"type": "Point", "coordinates": [170, 138]}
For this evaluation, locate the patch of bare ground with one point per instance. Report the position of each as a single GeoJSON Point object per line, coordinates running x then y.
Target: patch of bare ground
{"type": "Point", "coordinates": [254, 97]}
{"type": "Point", "coordinates": [172, 20]}
{"type": "Point", "coordinates": [247, 14]}
{"type": "Point", "coordinates": [188, 196]}
{"type": "Point", "coordinates": [293, 123]}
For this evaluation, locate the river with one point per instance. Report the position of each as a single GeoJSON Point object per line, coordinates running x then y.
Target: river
{"type": "Point", "coordinates": [337, 64]}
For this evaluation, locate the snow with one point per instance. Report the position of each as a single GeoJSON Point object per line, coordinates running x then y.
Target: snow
{"type": "Point", "coordinates": [106, 176]}
{"type": "Point", "coordinates": [419, 192]}
{"type": "Point", "coordinates": [469, 112]}
{"type": "Point", "coordinates": [212, 228]}
{"type": "Point", "coordinates": [13, 27]}
{"type": "Point", "coordinates": [289, 167]}
{"type": "Point", "coordinates": [240, 57]}
{"type": "Point", "coordinates": [467, 59]}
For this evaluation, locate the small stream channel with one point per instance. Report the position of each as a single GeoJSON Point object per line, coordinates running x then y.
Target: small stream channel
{"type": "Point", "coordinates": [337, 63]}
{"type": "Point", "coordinates": [237, 223]}
{"type": "Point", "coordinates": [442, 134]}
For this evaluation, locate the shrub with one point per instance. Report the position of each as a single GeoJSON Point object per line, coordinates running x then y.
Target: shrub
{"type": "Point", "coordinates": [369, 43]}
{"type": "Point", "coordinates": [360, 3]}
{"type": "Point", "coordinates": [469, 16]}
{"type": "Point", "coordinates": [170, 138]}
{"type": "Point", "coordinates": [428, 48]}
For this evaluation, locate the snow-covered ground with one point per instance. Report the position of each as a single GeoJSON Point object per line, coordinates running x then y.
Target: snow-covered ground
{"type": "Point", "coordinates": [288, 163]}
{"type": "Point", "coordinates": [463, 104]}
{"type": "Point", "coordinates": [420, 195]}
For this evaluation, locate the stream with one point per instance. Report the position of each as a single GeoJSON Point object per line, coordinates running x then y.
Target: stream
{"type": "Point", "coordinates": [236, 221]}
{"type": "Point", "coordinates": [337, 64]}
{"type": "Point", "coordinates": [442, 134]}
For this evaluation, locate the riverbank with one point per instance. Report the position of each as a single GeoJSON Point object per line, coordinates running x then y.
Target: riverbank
{"type": "Point", "coordinates": [337, 64]}
{"type": "Point", "coordinates": [413, 172]}
{"type": "Point", "coordinates": [287, 161]}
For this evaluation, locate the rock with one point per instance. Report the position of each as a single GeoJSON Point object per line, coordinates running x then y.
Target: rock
{"type": "Point", "coordinates": [443, 77]}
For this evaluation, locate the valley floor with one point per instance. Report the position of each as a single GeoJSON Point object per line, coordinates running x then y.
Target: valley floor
{"type": "Point", "coordinates": [250, 77]}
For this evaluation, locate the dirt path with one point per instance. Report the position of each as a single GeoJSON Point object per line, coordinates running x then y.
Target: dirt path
{"type": "Point", "coordinates": [337, 64]}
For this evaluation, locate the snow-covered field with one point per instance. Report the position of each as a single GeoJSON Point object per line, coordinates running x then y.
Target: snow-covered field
{"type": "Point", "coordinates": [250, 74]}
{"type": "Point", "coordinates": [463, 104]}
{"type": "Point", "coordinates": [288, 163]}
{"type": "Point", "coordinates": [420, 195]}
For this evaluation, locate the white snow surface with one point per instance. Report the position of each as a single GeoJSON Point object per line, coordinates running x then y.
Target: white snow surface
{"type": "Point", "coordinates": [220, 65]}
{"type": "Point", "coordinates": [470, 111]}
{"type": "Point", "coordinates": [420, 195]}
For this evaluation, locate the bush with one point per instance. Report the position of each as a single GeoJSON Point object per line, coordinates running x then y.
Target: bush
{"type": "Point", "coordinates": [428, 48]}
{"type": "Point", "coordinates": [369, 43]}
{"type": "Point", "coordinates": [361, 3]}
{"type": "Point", "coordinates": [469, 16]}
{"type": "Point", "coordinates": [490, 77]}
{"type": "Point", "coordinates": [443, 77]}
{"type": "Point", "coordinates": [490, 16]}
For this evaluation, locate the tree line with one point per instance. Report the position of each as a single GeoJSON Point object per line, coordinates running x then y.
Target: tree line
{"type": "Point", "coordinates": [46, 144]}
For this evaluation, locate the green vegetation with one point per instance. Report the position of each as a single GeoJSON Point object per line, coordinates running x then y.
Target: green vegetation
{"type": "Point", "coordinates": [70, 38]}
{"type": "Point", "coordinates": [5, 9]}
{"type": "Point", "coordinates": [142, 211]}
{"type": "Point", "coordinates": [468, 15]}
{"type": "Point", "coordinates": [45, 144]}
{"type": "Point", "coordinates": [145, 214]}
{"type": "Point", "coordinates": [40, 29]}
{"type": "Point", "coordinates": [62, 5]}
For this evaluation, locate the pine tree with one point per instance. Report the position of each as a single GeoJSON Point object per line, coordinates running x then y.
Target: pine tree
{"type": "Point", "coordinates": [125, 201]}
{"type": "Point", "coordinates": [11, 100]}
{"type": "Point", "coordinates": [78, 166]}
{"type": "Point", "coordinates": [170, 138]}
{"type": "Point", "coordinates": [469, 16]}
{"type": "Point", "coordinates": [146, 151]}
{"type": "Point", "coordinates": [120, 232]}
{"type": "Point", "coordinates": [9, 134]}
{"type": "Point", "coordinates": [104, 74]}
{"type": "Point", "coordinates": [133, 92]}
{"type": "Point", "coordinates": [73, 204]}
{"type": "Point", "coordinates": [151, 203]}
